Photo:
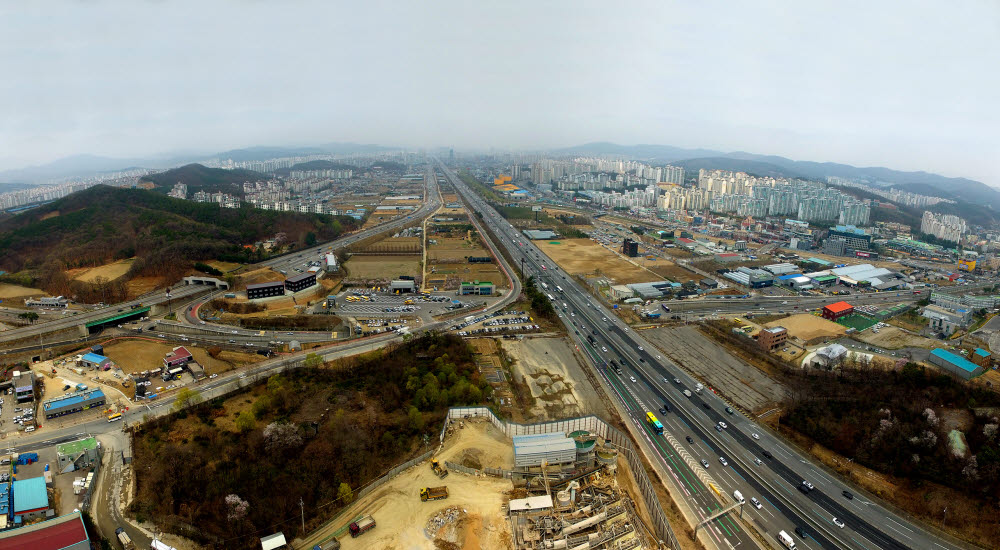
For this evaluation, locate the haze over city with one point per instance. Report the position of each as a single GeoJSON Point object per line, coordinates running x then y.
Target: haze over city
{"type": "Point", "coordinates": [908, 86]}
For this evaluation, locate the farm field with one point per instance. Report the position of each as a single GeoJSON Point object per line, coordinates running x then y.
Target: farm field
{"type": "Point", "coordinates": [807, 327]}
{"type": "Point", "coordinates": [585, 257]}
{"type": "Point", "coordinates": [110, 271]}
{"type": "Point", "coordinates": [17, 291]}
{"type": "Point", "coordinates": [382, 267]}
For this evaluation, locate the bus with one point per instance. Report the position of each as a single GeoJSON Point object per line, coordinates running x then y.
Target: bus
{"type": "Point", "coordinates": [115, 416]}
{"type": "Point", "coordinates": [654, 423]}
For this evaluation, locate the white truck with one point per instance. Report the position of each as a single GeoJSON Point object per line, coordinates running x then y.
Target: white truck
{"type": "Point", "coordinates": [698, 387]}
{"type": "Point", "coordinates": [738, 497]}
{"type": "Point", "coordinates": [786, 540]}
{"type": "Point", "coordinates": [687, 393]}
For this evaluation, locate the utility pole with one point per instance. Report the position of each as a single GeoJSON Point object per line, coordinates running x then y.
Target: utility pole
{"type": "Point", "coordinates": [302, 506]}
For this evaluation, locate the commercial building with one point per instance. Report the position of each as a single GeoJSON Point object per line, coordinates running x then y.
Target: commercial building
{"type": "Point", "coordinates": [94, 361]}
{"type": "Point", "coordinates": [552, 448]}
{"type": "Point", "coordinates": [750, 277]}
{"type": "Point", "coordinates": [630, 248]}
{"type": "Point", "coordinates": [837, 310]}
{"type": "Point", "coordinates": [946, 320]}
{"type": "Point", "coordinates": [265, 290]}
{"type": "Point", "coordinates": [61, 533]}
{"type": "Point", "coordinates": [955, 364]}
{"type": "Point", "coordinates": [299, 282]}
{"type": "Point", "coordinates": [539, 234]}
{"type": "Point", "coordinates": [854, 238]}
{"type": "Point", "coordinates": [772, 338]}
{"type": "Point", "coordinates": [476, 288]}
{"type": "Point", "coordinates": [24, 386]}
{"type": "Point", "coordinates": [48, 301]}
{"type": "Point", "coordinates": [31, 500]}
{"type": "Point", "coordinates": [73, 402]}
{"type": "Point", "coordinates": [178, 357]}
{"type": "Point", "coordinates": [77, 455]}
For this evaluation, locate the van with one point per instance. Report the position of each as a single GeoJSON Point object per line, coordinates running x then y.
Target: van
{"type": "Point", "coordinates": [738, 497]}
{"type": "Point", "coordinates": [786, 540]}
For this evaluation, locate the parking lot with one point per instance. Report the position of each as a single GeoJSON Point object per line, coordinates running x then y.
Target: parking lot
{"type": "Point", "coordinates": [502, 322]}
{"type": "Point", "coordinates": [15, 416]}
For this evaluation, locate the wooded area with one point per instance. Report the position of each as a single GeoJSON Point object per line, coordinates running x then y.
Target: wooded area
{"type": "Point", "coordinates": [226, 470]}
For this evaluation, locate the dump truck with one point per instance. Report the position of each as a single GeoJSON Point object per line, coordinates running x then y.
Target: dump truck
{"type": "Point", "coordinates": [361, 526]}
{"type": "Point", "coordinates": [438, 469]}
{"type": "Point", "coordinates": [124, 539]}
{"type": "Point", "coordinates": [434, 493]}
{"type": "Point", "coordinates": [332, 544]}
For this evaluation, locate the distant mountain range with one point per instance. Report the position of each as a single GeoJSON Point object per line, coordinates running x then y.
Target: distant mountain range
{"type": "Point", "coordinates": [960, 189]}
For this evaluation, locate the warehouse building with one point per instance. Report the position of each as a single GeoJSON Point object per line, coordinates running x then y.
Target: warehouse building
{"type": "Point", "coordinates": [476, 288]}
{"type": "Point", "coordinates": [709, 283]}
{"type": "Point", "coordinates": [73, 402]}
{"type": "Point", "coordinates": [553, 448]}
{"type": "Point", "coordinates": [265, 290]}
{"type": "Point", "coordinates": [402, 285]}
{"type": "Point", "coordinates": [781, 269]}
{"type": "Point", "coordinates": [331, 263]}
{"type": "Point", "coordinates": [48, 301]}
{"type": "Point", "coordinates": [955, 364]}
{"type": "Point", "coordinates": [837, 310]}
{"type": "Point", "coordinates": [539, 234]}
{"type": "Point", "coordinates": [94, 361]}
{"type": "Point", "coordinates": [299, 282]}
{"type": "Point", "coordinates": [61, 533]}
{"type": "Point", "coordinates": [31, 500]}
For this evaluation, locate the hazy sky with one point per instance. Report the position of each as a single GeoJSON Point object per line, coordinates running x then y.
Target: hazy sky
{"type": "Point", "coordinates": [909, 85]}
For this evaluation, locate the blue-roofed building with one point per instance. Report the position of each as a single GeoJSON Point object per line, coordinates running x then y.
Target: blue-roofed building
{"type": "Point", "coordinates": [73, 402]}
{"type": "Point", "coordinates": [94, 361]}
{"type": "Point", "coordinates": [31, 500]}
{"type": "Point", "coordinates": [955, 364]}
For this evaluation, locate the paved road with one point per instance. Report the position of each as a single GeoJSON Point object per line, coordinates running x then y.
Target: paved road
{"type": "Point", "coordinates": [775, 481]}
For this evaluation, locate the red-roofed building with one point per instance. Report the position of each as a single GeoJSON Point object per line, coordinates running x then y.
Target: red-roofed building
{"type": "Point", "coordinates": [177, 358]}
{"type": "Point", "coordinates": [838, 310]}
{"type": "Point", "coordinates": [61, 533]}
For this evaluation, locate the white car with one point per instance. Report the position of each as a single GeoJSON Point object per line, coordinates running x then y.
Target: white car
{"type": "Point", "coordinates": [838, 523]}
{"type": "Point", "coordinates": [723, 460]}
{"type": "Point", "coordinates": [214, 376]}
{"type": "Point", "coordinates": [32, 428]}
{"type": "Point", "coordinates": [632, 378]}
{"type": "Point", "coordinates": [755, 502]}
{"type": "Point", "coordinates": [723, 424]}
{"type": "Point", "coordinates": [754, 435]}
{"type": "Point", "coordinates": [640, 348]}
{"type": "Point", "coordinates": [604, 349]}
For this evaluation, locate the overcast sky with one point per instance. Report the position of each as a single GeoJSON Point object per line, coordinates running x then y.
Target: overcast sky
{"type": "Point", "coordinates": [909, 85]}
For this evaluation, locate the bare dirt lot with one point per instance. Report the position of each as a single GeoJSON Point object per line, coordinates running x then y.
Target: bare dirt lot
{"type": "Point", "coordinates": [262, 275]}
{"type": "Point", "coordinates": [895, 338]}
{"type": "Point", "coordinates": [137, 355]}
{"type": "Point", "coordinates": [586, 257]}
{"type": "Point", "coordinates": [807, 327]}
{"type": "Point", "coordinates": [382, 267]}
{"type": "Point", "coordinates": [15, 291]}
{"type": "Point", "coordinates": [109, 271]}
{"type": "Point", "coordinates": [670, 270]}
{"type": "Point", "coordinates": [715, 366]}
{"type": "Point", "coordinates": [550, 371]}
{"type": "Point", "coordinates": [402, 519]}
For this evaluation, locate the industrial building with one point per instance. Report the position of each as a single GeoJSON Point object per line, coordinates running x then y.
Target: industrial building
{"type": "Point", "coordinates": [402, 285]}
{"type": "Point", "coordinates": [77, 455]}
{"type": "Point", "coordinates": [31, 499]}
{"type": "Point", "coordinates": [781, 269]}
{"type": "Point", "coordinates": [772, 338]}
{"type": "Point", "coordinates": [265, 290]}
{"type": "Point", "coordinates": [61, 533]}
{"type": "Point", "coordinates": [946, 320]}
{"type": "Point", "coordinates": [73, 402]}
{"type": "Point", "coordinates": [837, 310]}
{"type": "Point", "coordinates": [331, 263]}
{"type": "Point", "coordinates": [709, 283]}
{"type": "Point", "coordinates": [94, 361]}
{"type": "Point", "coordinates": [178, 357]}
{"type": "Point", "coordinates": [299, 282]}
{"type": "Point", "coordinates": [750, 277]}
{"type": "Point", "coordinates": [728, 257]}
{"type": "Point", "coordinates": [649, 291]}
{"type": "Point", "coordinates": [552, 448]}
{"type": "Point", "coordinates": [539, 234]}
{"type": "Point", "coordinates": [955, 364]}
{"type": "Point", "coordinates": [476, 288]}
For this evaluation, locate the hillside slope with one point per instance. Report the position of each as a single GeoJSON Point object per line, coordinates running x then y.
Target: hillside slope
{"type": "Point", "coordinates": [202, 178]}
{"type": "Point", "coordinates": [165, 235]}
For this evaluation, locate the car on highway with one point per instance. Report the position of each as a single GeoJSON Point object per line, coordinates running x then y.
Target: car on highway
{"type": "Point", "coordinates": [723, 424]}
{"type": "Point", "coordinates": [767, 454]}
{"type": "Point", "coordinates": [704, 463]}
{"type": "Point", "coordinates": [718, 428]}
{"type": "Point", "coordinates": [632, 378]}
{"type": "Point", "coordinates": [723, 460]}
{"type": "Point", "coordinates": [838, 522]}
{"type": "Point", "coordinates": [707, 406]}
{"type": "Point", "coordinates": [754, 435]}
{"type": "Point", "coordinates": [640, 348]}
{"type": "Point", "coordinates": [663, 411]}
{"type": "Point", "coordinates": [677, 380]}
{"type": "Point", "coordinates": [214, 375]}
{"type": "Point", "coordinates": [758, 462]}
{"type": "Point", "coordinates": [689, 440]}
{"type": "Point", "coordinates": [730, 410]}
{"type": "Point", "coordinates": [756, 503]}
{"type": "Point", "coordinates": [604, 349]}
{"type": "Point", "coordinates": [848, 495]}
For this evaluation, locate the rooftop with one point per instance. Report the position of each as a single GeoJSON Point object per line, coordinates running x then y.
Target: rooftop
{"type": "Point", "coordinates": [29, 494]}
{"type": "Point", "coordinates": [838, 307]}
{"type": "Point", "coordinates": [776, 330]}
{"type": "Point", "coordinates": [72, 399]}
{"type": "Point", "coordinates": [300, 277]}
{"type": "Point", "coordinates": [956, 360]}
{"type": "Point", "coordinates": [542, 502]}
{"type": "Point", "coordinates": [94, 358]}
{"type": "Point", "coordinates": [54, 534]}
{"type": "Point", "coordinates": [981, 352]}
{"type": "Point", "coordinates": [265, 285]}
{"type": "Point", "coordinates": [74, 447]}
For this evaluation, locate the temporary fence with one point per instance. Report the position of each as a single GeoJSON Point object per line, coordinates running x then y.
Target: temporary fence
{"type": "Point", "coordinates": [591, 424]}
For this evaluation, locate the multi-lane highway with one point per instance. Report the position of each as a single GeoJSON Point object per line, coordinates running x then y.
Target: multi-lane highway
{"type": "Point", "coordinates": [648, 382]}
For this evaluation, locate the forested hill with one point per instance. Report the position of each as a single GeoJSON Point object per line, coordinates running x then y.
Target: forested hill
{"type": "Point", "coordinates": [202, 178]}
{"type": "Point", "coordinates": [165, 235]}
